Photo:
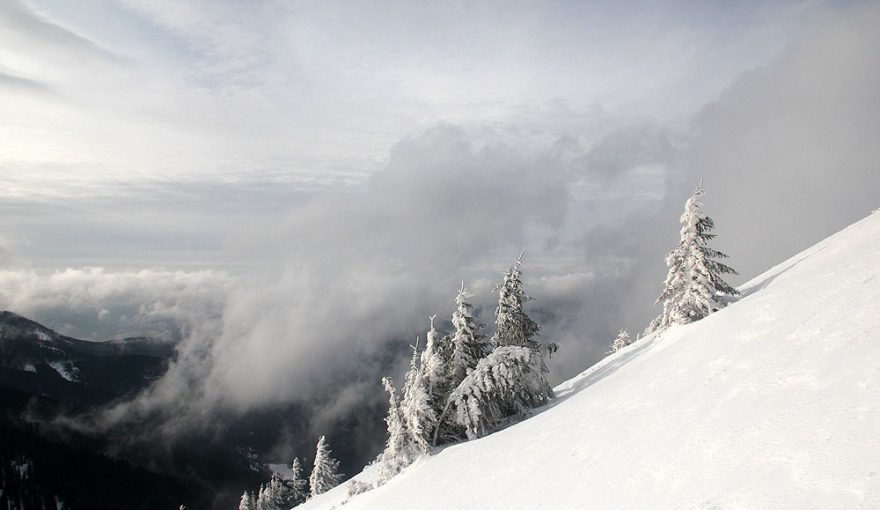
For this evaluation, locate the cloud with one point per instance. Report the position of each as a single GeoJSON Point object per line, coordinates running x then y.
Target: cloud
{"type": "Point", "coordinates": [96, 304]}
{"type": "Point", "coordinates": [17, 83]}
{"type": "Point", "coordinates": [789, 152]}
{"type": "Point", "coordinates": [331, 294]}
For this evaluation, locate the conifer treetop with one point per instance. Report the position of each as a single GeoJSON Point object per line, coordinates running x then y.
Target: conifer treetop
{"type": "Point", "coordinates": [694, 287]}
{"type": "Point", "coordinates": [325, 472]}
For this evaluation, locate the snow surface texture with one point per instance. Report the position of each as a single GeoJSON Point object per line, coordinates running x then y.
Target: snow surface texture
{"type": "Point", "coordinates": [771, 403]}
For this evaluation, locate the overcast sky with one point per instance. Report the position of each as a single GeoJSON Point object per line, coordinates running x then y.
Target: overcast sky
{"type": "Point", "coordinates": [137, 133]}
{"type": "Point", "coordinates": [298, 184]}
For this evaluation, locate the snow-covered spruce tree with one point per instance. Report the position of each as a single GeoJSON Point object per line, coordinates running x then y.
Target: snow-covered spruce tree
{"type": "Point", "coordinates": [264, 501]}
{"type": "Point", "coordinates": [466, 346]}
{"type": "Point", "coordinates": [434, 369]}
{"type": "Point", "coordinates": [325, 473]}
{"type": "Point", "coordinates": [299, 485]}
{"type": "Point", "coordinates": [513, 327]}
{"type": "Point", "coordinates": [397, 444]}
{"type": "Point", "coordinates": [503, 385]}
{"type": "Point", "coordinates": [621, 341]}
{"type": "Point", "coordinates": [416, 407]}
{"type": "Point", "coordinates": [248, 501]}
{"type": "Point", "coordinates": [399, 448]}
{"type": "Point", "coordinates": [694, 287]}
{"type": "Point", "coordinates": [281, 493]}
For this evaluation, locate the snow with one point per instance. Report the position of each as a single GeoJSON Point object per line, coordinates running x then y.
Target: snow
{"type": "Point", "coordinates": [42, 335]}
{"type": "Point", "coordinates": [772, 402]}
{"type": "Point", "coordinates": [29, 367]}
{"type": "Point", "coordinates": [66, 369]}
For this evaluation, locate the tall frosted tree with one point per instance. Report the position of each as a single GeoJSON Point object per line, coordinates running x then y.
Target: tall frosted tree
{"type": "Point", "coordinates": [325, 472]}
{"type": "Point", "coordinates": [399, 449]}
{"type": "Point", "coordinates": [694, 286]}
{"type": "Point", "coordinates": [466, 345]}
{"type": "Point", "coordinates": [512, 325]}
{"type": "Point", "coordinates": [433, 368]}
{"type": "Point", "coordinates": [514, 328]}
{"type": "Point", "coordinates": [416, 408]}
{"type": "Point", "coordinates": [298, 484]}
{"type": "Point", "coordinates": [397, 441]}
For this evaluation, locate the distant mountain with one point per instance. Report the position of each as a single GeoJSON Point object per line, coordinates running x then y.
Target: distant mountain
{"type": "Point", "coordinates": [44, 374]}
{"type": "Point", "coordinates": [41, 362]}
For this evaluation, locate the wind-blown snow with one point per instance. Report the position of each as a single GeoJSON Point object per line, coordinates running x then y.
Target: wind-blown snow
{"type": "Point", "coordinates": [773, 402]}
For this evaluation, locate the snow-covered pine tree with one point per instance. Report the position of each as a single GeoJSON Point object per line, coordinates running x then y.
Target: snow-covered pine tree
{"type": "Point", "coordinates": [325, 474]}
{"type": "Point", "coordinates": [248, 501]}
{"type": "Point", "coordinates": [434, 370]}
{"type": "Point", "coordinates": [502, 385]}
{"type": "Point", "coordinates": [694, 287]}
{"type": "Point", "coordinates": [513, 327]}
{"type": "Point", "coordinates": [621, 341]}
{"type": "Point", "coordinates": [399, 450]}
{"type": "Point", "coordinates": [397, 444]}
{"type": "Point", "coordinates": [264, 500]}
{"type": "Point", "coordinates": [416, 408]}
{"type": "Point", "coordinates": [466, 346]}
{"type": "Point", "coordinates": [299, 485]}
{"type": "Point", "coordinates": [281, 493]}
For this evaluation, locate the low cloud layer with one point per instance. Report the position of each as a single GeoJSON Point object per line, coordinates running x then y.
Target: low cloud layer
{"type": "Point", "coordinates": [94, 304]}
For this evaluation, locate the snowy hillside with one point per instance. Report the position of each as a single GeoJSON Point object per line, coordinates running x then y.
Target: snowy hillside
{"type": "Point", "coordinates": [773, 402]}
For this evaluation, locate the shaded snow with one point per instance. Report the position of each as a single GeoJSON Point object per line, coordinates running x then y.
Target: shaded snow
{"type": "Point", "coordinates": [773, 402]}
{"type": "Point", "coordinates": [29, 367]}
{"type": "Point", "coordinates": [66, 369]}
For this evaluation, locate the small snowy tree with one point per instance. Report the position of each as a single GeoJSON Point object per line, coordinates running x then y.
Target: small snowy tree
{"type": "Point", "coordinates": [466, 346]}
{"type": "Point", "coordinates": [325, 474]}
{"type": "Point", "coordinates": [507, 379]}
{"type": "Point", "coordinates": [264, 500]}
{"type": "Point", "coordinates": [248, 501]}
{"type": "Point", "coordinates": [298, 484]}
{"type": "Point", "coordinates": [694, 287]}
{"type": "Point", "coordinates": [416, 407]}
{"type": "Point", "coordinates": [621, 341]}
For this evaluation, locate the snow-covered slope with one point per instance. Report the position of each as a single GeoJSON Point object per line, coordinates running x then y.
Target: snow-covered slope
{"type": "Point", "coordinates": [773, 402]}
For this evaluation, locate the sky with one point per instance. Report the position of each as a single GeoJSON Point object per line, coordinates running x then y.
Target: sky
{"type": "Point", "coordinates": [289, 189]}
